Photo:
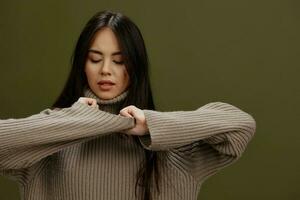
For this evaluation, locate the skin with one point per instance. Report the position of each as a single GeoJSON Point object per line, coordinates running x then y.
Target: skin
{"type": "Point", "coordinates": [104, 62]}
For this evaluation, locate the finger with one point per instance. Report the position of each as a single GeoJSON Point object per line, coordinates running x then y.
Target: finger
{"type": "Point", "coordinates": [135, 112]}
{"type": "Point", "coordinates": [132, 111]}
{"type": "Point", "coordinates": [124, 112]}
{"type": "Point", "coordinates": [88, 101]}
{"type": "Point", "coordinates": [94, 103]}
{"type": "Point", "coordinates": [91, 102]}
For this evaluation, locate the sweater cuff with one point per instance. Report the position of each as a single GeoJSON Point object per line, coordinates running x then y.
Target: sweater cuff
{"type": "Point", "coordinates": [146, 140]}
{"type": "Point", "coordinates": [161, 130]}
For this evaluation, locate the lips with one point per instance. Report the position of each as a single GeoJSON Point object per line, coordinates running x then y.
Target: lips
{"type": "Point", "coordinates": [108, 82]}
{"type": "Point", "coordinates": [106, 85]}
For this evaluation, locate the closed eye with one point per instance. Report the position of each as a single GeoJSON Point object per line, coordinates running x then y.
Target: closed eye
{"type": "Point", "coordinates": [119, 63]}
{"type": "Point", "coordinates": [95, 61]}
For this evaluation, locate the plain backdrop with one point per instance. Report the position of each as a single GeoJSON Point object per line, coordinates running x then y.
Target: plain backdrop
{"type": "Point", "coordinates": [243, 52]}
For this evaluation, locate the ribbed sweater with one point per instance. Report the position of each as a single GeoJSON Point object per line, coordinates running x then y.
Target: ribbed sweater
{"type": "Point", "coordinates": [80, 152]}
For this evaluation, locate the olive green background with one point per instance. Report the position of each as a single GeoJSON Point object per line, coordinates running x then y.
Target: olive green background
{"type": "Point", "coordinates": [243, 52]}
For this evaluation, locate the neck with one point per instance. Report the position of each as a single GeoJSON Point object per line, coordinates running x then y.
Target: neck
{"type": "Point", "coordinates": [108, 105]}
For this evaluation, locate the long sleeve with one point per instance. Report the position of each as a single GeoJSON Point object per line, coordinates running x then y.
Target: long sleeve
{"type": "Point", "coordinates": [201, 141]}
{"type": "Point", "coordinates": [214, 122]}
{"type": "Point", "coordinates": [26, 141]}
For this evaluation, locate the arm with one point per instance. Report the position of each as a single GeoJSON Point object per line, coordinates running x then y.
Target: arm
{"type": "Point", "coordinates": [215, 123]}
{"type": "Point", "coordinates": [25, 141]}
{"type": "Point", "coordinates": [201, 141]}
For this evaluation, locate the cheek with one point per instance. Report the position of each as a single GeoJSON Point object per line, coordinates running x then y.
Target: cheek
{"type": "Point", "coordinates": [125, 78]}
{"type": "Point", "coordinates": [89, 72]}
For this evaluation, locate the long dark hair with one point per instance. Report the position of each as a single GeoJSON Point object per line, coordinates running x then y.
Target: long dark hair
{"type": "Point", "coordinates": [136, 61]}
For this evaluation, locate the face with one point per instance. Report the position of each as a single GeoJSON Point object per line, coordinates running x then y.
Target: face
{"type": "Point", "coordinates": [105, 70]}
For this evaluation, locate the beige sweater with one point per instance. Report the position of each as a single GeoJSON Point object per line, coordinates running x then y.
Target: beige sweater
{"type": "Point", "coordinates": [78, 153]}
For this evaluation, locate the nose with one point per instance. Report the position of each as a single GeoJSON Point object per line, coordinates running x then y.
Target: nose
{"type": "Point", "coordinates": [105, 68]}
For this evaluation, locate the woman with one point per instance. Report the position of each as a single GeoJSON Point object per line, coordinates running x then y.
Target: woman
{"type": "Point", "coordinates": [103, 139]}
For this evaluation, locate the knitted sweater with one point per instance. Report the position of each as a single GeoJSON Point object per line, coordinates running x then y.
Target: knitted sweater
{"type": "Point", "coordinates": [79, 152]}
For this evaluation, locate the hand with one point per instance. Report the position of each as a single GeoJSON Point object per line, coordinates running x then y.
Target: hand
{"type": "Point", "coordinates": [141, 127]}
{"type": "Point", "coordinates": [89, 101]}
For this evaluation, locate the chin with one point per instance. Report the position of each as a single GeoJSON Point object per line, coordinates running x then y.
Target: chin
{"type": "Point", "coordinates": [106, 95]}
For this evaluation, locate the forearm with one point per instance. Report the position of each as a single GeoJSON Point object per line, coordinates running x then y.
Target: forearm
{"type": "Point", "coordinates": [51, 130]}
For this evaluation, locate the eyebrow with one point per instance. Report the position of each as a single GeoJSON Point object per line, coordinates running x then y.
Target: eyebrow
{"type": "Point", "coordinates": [99, 52]}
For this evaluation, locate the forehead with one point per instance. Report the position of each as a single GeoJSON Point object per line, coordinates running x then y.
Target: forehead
{"type": "Point", "coordinates": [105, 41]}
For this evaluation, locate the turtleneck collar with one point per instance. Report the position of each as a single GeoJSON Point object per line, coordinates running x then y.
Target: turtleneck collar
{"type": "Point", "coordinates": [108, 105]}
